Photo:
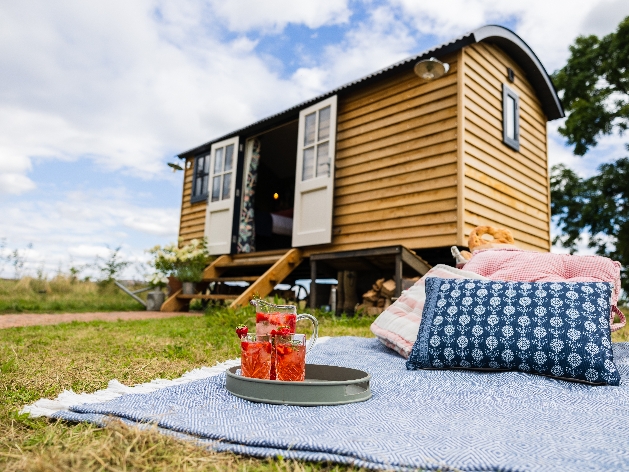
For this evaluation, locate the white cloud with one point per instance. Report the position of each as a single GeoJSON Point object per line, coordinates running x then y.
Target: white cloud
{"type": "Point", "coordinates": [608, 149]}
{"type": "Point", "coordinates": [80, 226]}
{"type": "Point", "coordinates": [121, 85]}
{"type": "Point", "coordinates": [381, 40]}
{"type": "Point", "coordinates": [13, 183]}
{"type": "Point", "coordinates": [548, 27]}
{"type": "Point", "coordinates": [274, 15]}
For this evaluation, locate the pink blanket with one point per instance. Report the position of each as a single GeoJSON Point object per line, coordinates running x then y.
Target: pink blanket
{"type": "Point", "coordinates": [527, 266]}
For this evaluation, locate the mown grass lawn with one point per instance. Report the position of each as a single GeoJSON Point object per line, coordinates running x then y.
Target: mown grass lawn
{"type": "Point", "coordinates": [42, 361]}
{"type": "Point", "coordinates": [38, 362]}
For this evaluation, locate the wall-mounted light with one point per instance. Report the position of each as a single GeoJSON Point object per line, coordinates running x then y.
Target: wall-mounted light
{"type": "Point", "coordinates": [510, 74]}
{"type": "Point", "coordinates": [276, 196]}
{"type": "Point", "coordinates": [431, 69]}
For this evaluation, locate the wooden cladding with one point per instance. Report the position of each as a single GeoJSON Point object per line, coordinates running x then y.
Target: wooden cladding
{"type": "Point", "coordinates": [192, 222]}
{"type": "Point", "coordinates": [502, 187]}
{"type": "Point", "coordinates": [396, 164]}
{"type": "Point", "coordinates": [423, 163]}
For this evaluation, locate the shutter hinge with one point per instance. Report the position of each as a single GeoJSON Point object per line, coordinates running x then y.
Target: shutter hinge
{"type": "Point", "coordinates": [238, 192]}
{"type": "Point", "coordinates": [234, 239]}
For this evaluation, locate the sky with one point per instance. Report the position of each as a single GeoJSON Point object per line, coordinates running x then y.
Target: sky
{"type": "Point", "coordinates": [97, 97]}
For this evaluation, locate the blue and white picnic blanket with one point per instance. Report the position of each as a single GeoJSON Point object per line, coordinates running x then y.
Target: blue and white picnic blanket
{"type": "Point", "coordinates": [447, 420]}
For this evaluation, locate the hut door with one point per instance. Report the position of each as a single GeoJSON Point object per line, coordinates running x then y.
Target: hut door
{"type": "Point", "coordinates": [314, 180]}
{"type": "Point", "coordinates": [220, 201]}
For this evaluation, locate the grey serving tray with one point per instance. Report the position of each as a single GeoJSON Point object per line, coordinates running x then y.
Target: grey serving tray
{"type": "Point", "coordinates": [324, 385]}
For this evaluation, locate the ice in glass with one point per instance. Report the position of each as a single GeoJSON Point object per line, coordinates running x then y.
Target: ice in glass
{"type": "Point", "coordinates": [255, 356]}
{"type": "Point", "coordinates": [290, 358]}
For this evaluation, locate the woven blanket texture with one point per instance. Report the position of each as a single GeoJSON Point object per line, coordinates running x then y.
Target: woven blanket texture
{"type": "Point", "coordinates": [432, 419]}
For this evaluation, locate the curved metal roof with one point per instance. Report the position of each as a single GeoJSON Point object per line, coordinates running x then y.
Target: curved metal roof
{"type": "Point", "coordinates": [506, 39]}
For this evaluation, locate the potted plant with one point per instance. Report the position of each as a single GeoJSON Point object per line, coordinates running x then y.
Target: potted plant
{"type": "Point", "coordinates": [186, 263]}
{"type": "Point", "coordinates": [155, 298]}
{"type": "Point", "coordinates": [192, 259]}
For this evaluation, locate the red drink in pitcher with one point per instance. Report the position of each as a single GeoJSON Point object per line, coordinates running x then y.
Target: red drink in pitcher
{"type": "Point", "coordinates": [290, 358]}
{"type": "Point", "coordinates": [267, 322]}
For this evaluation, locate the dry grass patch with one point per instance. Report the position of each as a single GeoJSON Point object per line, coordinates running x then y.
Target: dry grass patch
{"type": "Point", "coordinates": [62, 294]}
{"type": "Point", "coordinates": [42, 361]}
{"type": "Point", "coordinates": [121, 448]}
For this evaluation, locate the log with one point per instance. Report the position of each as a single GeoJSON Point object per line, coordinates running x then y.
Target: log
{"type": "Point", "coordinates": [378, 285]}
{"type": "Point", "coordinates": [371, 295]}
{"type": "Point", "coordinates": [388, 288]}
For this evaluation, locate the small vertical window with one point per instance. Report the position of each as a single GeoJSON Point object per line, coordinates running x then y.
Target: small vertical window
{"type": "Point", "coordinates": [316, 144]}
{"type": "Point", "coordinates": [222, 173]}
{"type": "Point", "coordinates": [510, 118]}
{"type": "Point", "coordinates": [200, 179]}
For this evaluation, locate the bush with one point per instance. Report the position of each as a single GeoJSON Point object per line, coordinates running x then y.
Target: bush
{"type": "Point", "coordinates": [60, 284]}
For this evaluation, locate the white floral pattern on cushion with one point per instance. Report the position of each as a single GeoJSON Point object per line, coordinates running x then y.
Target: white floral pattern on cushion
{"type": "Point", "coordinates": [550, 328]}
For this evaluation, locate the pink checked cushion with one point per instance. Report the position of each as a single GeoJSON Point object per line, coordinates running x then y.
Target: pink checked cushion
{"type": "Point", "coordinates": [397, 326]}
{"type": "Point", "coordinates": [527, 266]}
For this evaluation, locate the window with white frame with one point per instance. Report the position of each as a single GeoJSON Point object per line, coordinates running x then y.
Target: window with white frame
{"type": "Point", "coordinates": [510, 118]}
{"type": "Point", "coordinates": [222, 170]}
{"type": "Point", "coordinates": [316, 146]}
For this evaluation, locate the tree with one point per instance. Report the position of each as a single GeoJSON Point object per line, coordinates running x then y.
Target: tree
{"type": "Point", "coordinates": [594, 85]}
{"type": "Point", "coordinates": [595, 88]}
{"type": "Point", "coordinates": [599, 206]}
{"type": "Point", "coordinates": [112, 266]}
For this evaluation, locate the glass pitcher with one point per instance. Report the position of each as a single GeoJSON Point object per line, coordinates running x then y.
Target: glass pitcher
{"type": "Point", "coordinates": [270, 317]}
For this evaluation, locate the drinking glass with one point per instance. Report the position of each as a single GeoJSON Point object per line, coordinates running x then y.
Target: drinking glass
{"type": "Point", "coordinates": [255, 356]}
{"type": "Point", "coordinates": [290, 357]}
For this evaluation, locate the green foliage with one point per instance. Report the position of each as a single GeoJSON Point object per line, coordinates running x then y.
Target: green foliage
{"type": "Point", "coordinates": [186, 263]}
{"type": "Point", "coordinates": [598, 205]}
{"type": "Point", "coordinates": [595, 88]}
{"type": "Point", "coordinates": [112, 266]}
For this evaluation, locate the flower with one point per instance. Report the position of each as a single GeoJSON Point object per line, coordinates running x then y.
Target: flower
{"type": "Point", "coordinates": [186, 262]}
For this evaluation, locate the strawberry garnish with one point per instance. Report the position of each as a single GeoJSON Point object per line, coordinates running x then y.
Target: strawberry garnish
{"type": "Point", "coordinates": [282, 331]}
{"type": "Point", "coordinates": [242, 330]}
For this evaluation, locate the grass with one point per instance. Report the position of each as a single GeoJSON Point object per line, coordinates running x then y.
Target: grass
{"type": "Point", "coordinates": [62, 295]}
{"type": "Point", "coordinates": [42, 361]}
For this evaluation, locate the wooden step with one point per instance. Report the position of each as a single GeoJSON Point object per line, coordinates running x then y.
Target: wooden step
{"type": "Point", "coordinates": [202, 296]}
{"type": "Point", "coordinates": [244, 278]}
{"type": "Point", "coordinates": [248, 262]}
{"type": "Point", "coordinates": [281, 262]}
{"type": "Point", "coordinates": [266, 282]}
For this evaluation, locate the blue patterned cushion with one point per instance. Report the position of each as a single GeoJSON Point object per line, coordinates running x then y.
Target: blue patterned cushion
{"type": "Point", "coordinates": [559, 329]}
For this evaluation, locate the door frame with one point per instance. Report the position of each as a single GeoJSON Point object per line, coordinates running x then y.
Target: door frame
{"type": "Point", "coordinates": [232, 201]}
{"type": "Point", "coordinates": [305, 186]}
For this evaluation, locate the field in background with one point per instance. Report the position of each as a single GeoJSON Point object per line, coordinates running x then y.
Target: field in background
{"type": "Point", "coordinates": [62, 294]}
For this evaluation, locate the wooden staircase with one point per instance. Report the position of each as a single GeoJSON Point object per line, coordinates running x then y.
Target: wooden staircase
{"type": "Point", "coordinates": [270, 268]}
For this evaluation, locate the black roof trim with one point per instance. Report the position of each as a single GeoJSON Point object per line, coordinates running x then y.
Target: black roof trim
{"type": "Point", "coordinates": [498, 35]}
{"type": "Point", "coordinates": [513, 45]}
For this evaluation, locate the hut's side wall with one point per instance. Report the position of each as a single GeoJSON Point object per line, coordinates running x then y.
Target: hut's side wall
{"type": "Point", "coordinates": [396, 164]}
{"type": "Point", "coordinates": [192, 223]}
{"type": "Point", "coordinates": [503, 187]}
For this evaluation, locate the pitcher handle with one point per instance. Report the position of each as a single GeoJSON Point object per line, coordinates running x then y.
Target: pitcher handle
{"type": "Point", "coordinates": [315, 330]}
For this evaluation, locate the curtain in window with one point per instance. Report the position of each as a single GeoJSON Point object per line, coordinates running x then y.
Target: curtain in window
{"type": "Point", "coordinates": [247, 229]}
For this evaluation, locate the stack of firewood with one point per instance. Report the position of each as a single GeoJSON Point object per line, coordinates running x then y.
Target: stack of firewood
{"type": "Point", "coordinates": [379, 298]}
